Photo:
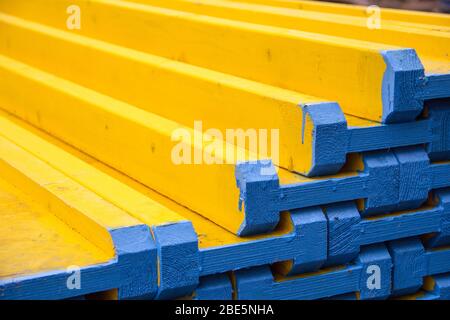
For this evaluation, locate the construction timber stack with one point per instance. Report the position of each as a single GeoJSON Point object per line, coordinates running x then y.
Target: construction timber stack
{"type": "Point", "coordinates": [355, 203]}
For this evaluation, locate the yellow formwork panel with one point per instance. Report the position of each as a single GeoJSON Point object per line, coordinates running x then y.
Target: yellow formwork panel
{"type": "Point", "coordinates": [266, 54]}
{"type": "Point", "coordinates": [149, 82]}
{"type": "Point", "coordinates": [358, 11]}
{"type": "Point", "coordinates": [34, 240]}
{"type": "Point", "coordinates": [432, 46]}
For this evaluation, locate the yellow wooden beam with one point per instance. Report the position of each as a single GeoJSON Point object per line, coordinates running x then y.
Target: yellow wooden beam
{"type": "Point", "coordinates": [359, 11]}
{"type": "Point", "coordinates": [33, 240]}
{"type": "Point", "coordinates": [95, 204]}
{"type": "Point", "coordinates": [221, 8]}
{"type": "Point", "coordinates": [82, 210]}
{"type": "Point", "coordinates": [133, 141]}
{"type": "Point", "coordinates": [149, 82]}
{"type": "Point", "coordinates": [431, 45]}
{"type": "Point", "coordinates": [127, 194]}
{"type": "Point", "coordinates": [294, 60]}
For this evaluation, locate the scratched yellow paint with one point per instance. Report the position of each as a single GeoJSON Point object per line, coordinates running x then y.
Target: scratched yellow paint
{"type": "Point", "coordinates": [359, 11]}
{"type": "Point", "coordinates": [34, 240]}
{"type": "Point", "coordinates": [128, 194]}
{"type": "Point", "coordinates": [432, 46]}
{"type": "Point", "coordinates": [272, 54]}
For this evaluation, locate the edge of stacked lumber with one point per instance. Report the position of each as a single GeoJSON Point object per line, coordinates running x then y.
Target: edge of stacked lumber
{"type": "Point", "coordinates": [356, 204]}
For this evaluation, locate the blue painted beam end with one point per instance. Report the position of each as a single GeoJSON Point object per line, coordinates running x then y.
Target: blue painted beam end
{"type": "Point", "coordinates": [344, 233]}
{"type": "Point", "coordinates": [312, 232]}
{"type": "Point", "coordinates": [409, 265]}
{"type": "Point", "coordinates": [403, 78]}
{"type": "Point", "coordinates": [178, 259]}
{"type": "Point", "coordinates": [330, 137]}
{"type": "Point", "coordinates": [258, 184]}
{"type": "Point", "coordinates": [136, 254]}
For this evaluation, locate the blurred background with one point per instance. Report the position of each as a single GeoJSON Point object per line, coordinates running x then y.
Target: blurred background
{"type": "Point", "coordinates": [421, 5]}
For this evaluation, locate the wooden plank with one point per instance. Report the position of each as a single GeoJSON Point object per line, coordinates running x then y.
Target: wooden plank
{"type": "Point", "coordinates": [300, 235]}
{"type": "Point", "coordinates": [260, 283]}
{"type": "Point", "coordinates": [148, 82]}
{"type": "Point", "coordinates": [23, 252]}
{"type": "Point", "coordinates": [413, 263]}
{"type": "Point", "coordinates": [434, 288]}
{"type": "Point", "coordinates": [87, 216]}
{"type": "Point", "coordinates": [209, 189]}
{"type": "Point", "coordinates": [215, 287]}
{"type": "Point", "coordinates": [396, 15]}
{"type": "Point", "coordinates": [314, 138]}
{"type": "Point", "coordinates": [431, 46]}
{"type": "Point", "coordinates": [348, 232]}
{"type": "Point", "coordinates": [159, 218]}
{"type": "Point", "coordinates": [380, 80]}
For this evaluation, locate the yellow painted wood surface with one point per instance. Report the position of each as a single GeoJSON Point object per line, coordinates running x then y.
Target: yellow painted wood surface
{"type": "Point", "coordinates": [133, 141]}
{"type": "Point", "coordinates": [34, 240]}
{"type": "Point", "coordinates": [148, 82]}
{"type": "Point", "coordinates": [359, 11]}
{"type": "Point", "coordinates": [129, 139]}
{"type": "Point", "coordinates": [221, 8]}
{"type": "Point", "coordinates": [271, 56]}
{"type": "Point", "coordinates": [131, 196]}
{"type": "Point", "coordinates": [83, 211]}
{"type": "Point", "coordinates": [433, 47]}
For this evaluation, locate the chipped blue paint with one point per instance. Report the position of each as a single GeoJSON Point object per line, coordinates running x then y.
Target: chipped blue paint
{"type": "Point", "coordinates": [258, 185]}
